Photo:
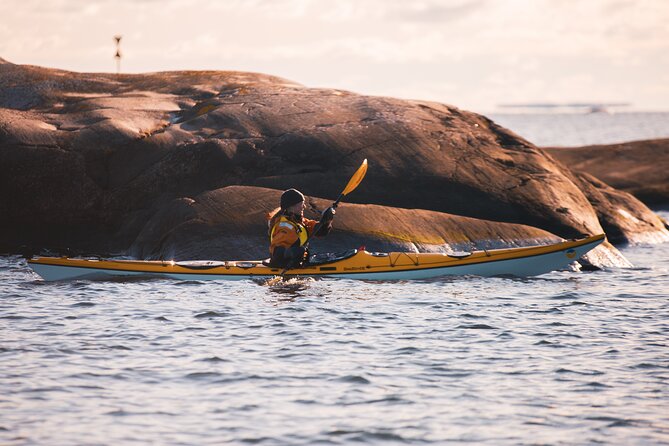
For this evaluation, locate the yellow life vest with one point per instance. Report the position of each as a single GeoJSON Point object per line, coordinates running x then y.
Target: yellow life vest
{"type": "Point", "coordinates": [299, 228]}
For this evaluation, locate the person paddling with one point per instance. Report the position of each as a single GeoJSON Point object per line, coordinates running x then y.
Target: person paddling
{"type": "Point", "coordinates": [289, 230]}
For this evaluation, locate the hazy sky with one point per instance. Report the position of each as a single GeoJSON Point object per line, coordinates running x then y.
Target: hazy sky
{"type": "Point", "coordinates": [473, 54]}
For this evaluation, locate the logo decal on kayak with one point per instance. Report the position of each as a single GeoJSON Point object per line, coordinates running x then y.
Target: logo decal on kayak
{"type": "Point", "coordinates": [354, 268]}
{"type": "Point", "coordinates": [571, 253]}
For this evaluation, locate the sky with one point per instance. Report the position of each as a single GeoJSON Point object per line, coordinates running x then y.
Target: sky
{"type": "Point", "coordinates": [474, 54]}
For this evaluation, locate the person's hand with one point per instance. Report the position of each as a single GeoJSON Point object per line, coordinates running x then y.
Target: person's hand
{"type": "Point", "coordinates": [328, 215]}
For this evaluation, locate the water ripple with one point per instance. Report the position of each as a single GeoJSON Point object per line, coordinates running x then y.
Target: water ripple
{"type": "Point", "coordinates": [566, 358]}
{"type": "Point", "coordinates": [210, 315]}
{"type": "Point", "coordinates": [477, 327]}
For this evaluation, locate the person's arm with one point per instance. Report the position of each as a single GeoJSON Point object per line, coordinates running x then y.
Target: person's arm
{"type": "Point", "coordinates": [325, 224]}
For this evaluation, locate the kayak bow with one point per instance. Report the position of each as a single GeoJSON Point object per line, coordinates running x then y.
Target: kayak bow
{"type": "Point", "coordinates": [526, 261]}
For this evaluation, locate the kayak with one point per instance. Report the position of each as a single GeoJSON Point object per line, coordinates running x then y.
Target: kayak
{"type": "Point", "coordinates": [352, 264]}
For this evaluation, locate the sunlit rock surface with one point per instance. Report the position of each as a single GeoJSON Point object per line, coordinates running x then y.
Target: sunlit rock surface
{"type": "Point", "coordinates": [624, 218]}
{"type": "Point", "coordinates": [103, 163]}
{"type": "Point", "coordinates": [234, 218]}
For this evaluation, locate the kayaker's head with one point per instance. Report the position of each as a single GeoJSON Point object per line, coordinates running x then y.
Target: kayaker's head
{"type": "Point", "coordinates": [292, 201]}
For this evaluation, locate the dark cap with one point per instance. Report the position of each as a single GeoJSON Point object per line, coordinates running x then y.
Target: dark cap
{"type": "Point", "coordinates": [290, 198]}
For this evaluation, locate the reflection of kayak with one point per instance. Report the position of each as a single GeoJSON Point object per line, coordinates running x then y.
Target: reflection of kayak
{"type": "Point", "coordinates": [352, 264]}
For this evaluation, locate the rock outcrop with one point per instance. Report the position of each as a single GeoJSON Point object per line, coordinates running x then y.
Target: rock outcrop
{"type": "Point", "coordinates": [639, 167]}
{"type": "Point", "coordinates": [624, 218]}
{"type": "Point", "coordinates": [234, 217]}
{"type": "Point", "coordinates": [105, 162]}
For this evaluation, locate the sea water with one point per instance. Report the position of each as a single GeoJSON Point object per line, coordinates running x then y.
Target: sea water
{"type": "Point", "coordinates": [581, 129]}
{"type": "Point", "coordinates": [564, 358]}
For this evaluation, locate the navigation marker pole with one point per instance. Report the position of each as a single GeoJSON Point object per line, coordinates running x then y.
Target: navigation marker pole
{"type": "Point", "coordinates": [117, 56]}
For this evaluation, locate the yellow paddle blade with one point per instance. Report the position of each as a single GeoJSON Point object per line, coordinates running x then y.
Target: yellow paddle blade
{"type": "Point", "coordinates": [356, 178]}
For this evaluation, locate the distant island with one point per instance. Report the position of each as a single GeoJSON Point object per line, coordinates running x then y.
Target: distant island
{"type": "Point", "coordinates": [578, 107]}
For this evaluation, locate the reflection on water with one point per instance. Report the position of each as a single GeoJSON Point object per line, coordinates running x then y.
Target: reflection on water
{"type": "Point", "coordinates": [289, 288]}
{"type": "Point", "coordinates": [573, 358]}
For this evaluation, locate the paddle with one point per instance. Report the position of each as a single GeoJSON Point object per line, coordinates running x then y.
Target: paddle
{"type": "Point", "coordinates": [355, 180]}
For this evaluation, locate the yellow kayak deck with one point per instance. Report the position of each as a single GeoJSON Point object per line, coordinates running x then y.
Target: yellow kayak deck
{"type": "Point", "coordinates": [525, 261]}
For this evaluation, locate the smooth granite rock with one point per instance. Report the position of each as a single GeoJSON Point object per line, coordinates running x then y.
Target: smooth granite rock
{"type": "Point", "coordinates": [236, 216]}
{"type": "Point", "coordinates": [103, 163]}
